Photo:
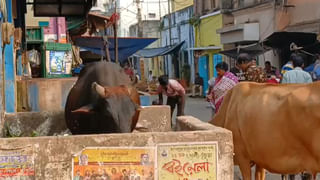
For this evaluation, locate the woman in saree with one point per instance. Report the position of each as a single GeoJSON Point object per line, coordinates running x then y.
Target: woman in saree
{"type": "Point", "coordinates": [223, 83]}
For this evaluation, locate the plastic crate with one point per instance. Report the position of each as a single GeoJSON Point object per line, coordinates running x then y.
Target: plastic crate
{"type": "Point", "coordinates": [145, 100]}
{"type": "Point", "coordinates": [35, 34]}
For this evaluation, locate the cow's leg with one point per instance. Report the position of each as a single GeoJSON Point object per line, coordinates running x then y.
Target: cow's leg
{"type": "Point", "coordinates": [245, 168]}
{"type": "Point", "coordinates": [284, 177]}
{"type": "Point", "coordinates": [314, 176]}
{"type": "Point", "coordinates": [260, 173]}
{"type": "Point", "coordinates": [306, 176]}
{"type": "Point", "coordinates": [292, 176]}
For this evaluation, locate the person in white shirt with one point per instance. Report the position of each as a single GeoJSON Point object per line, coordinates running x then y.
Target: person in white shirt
{"type": "Point", "coordinates": [297, 75]}
{"type": "Point", "coordinates": [150, 76]}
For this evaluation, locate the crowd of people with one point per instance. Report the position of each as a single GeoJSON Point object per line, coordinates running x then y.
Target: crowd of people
{"type": "Point", "coordinates": [246, 69]}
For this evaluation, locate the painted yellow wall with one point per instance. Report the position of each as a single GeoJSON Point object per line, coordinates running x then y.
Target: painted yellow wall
{"type": "Point", "coordinates": [181, 4]}
{"type": "Point", "coordinates": [206, 35]}
{"type": "Point", "coordinates": [206, 31]}
{"type": "Point", "coordinates": [156, 70]}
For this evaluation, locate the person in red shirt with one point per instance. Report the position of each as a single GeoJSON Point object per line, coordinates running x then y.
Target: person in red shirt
{"type": "Point", "coordinates": [175, 93]}
{"type": "Point", "coordinates": [273, 80]}
{"type": "Point", "coordinates": [128, 71]}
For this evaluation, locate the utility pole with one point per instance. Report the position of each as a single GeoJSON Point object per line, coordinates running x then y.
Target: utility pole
{"type": "Point", "coordinates": [115, 29]}
{"type": "Point", "coordinates": [139, 18]}
{"type": "Point", "coordinates": [160, 10]}
{"type": "Point", "coordinates": [169, 22]}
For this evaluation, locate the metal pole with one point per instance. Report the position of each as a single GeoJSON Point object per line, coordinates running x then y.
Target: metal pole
{"type": "Point", "coordinates": [139, 18]}
{"type": "Point", "coordinates": [115, 35]}
{"type": "Point", "coordinates": [159, 9]}
{"type": "Point", "coordinates": [169, 22]}
{"type": "Point", "coordinates": [106, 47]}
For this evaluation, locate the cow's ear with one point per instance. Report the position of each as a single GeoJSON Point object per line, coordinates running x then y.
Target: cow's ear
{"type": "Point", "coordinates": [87, 109]}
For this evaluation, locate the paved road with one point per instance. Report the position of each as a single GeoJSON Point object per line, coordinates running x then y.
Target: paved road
{"type": "Point", "coordinates": [196, 107]}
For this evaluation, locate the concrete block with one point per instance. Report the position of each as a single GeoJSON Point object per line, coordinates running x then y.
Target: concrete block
{"type": "Point", "coordinates": [189, 123]}
{"type": "Point", "coordinates": [52, 156]}
{"type": "Point", "coordinates": [154, 119]}
{"type": "Point", "coordinates": [26, 124]}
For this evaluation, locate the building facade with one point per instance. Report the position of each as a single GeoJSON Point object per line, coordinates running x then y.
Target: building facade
{"type": "Point", "coordinates": [150, 29]}
{"type": "Point", "coordinates": [150, 10]}
{"type": "Point", "coordinates": [207, 19]}
{"type": "Point", "coordinates": [179, 30]}
{"type": "Point", "coordinates": [253, 21]}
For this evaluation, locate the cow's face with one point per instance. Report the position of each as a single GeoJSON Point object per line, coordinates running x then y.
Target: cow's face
{"type": "Point", "coordinates": [112, 103]}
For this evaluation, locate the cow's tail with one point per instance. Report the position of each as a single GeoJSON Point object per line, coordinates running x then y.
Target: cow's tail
{"type": "Point", "coordinates": [220, 118]}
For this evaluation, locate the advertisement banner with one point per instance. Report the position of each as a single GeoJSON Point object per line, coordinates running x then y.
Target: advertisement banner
{"type": "Point", "coordinates": [115, 164]}
{"type": "Point", "coordinates": [17, 164]}
{"type": "Point", "coordinates": [60, 62]}
{"type": "Point", "coordinates": [190, 161]}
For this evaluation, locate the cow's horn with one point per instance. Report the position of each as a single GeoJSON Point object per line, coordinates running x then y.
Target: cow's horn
{"type": "Point", "coordinates": [99, 89]}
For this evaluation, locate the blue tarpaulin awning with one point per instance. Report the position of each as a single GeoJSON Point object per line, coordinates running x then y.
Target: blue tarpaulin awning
{"type": "Point", "coordinates": [126, 46]}
{"type": "Point", "coordinates": [154, 52]}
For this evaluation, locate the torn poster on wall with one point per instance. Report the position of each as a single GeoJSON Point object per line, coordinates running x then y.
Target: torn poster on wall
{"type": "Point", "coordinates": [17, 164]}
{"type": "Point", "coordinates": [115, 163]}
{"type": "Point", "coordinates": [191, 161]}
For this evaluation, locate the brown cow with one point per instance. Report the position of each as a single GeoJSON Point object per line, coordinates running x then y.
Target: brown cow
{"type": "Point", "coordinates": [276, 127]}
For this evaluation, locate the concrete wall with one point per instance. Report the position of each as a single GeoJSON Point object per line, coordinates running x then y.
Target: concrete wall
{"type": "Point", "coordinates": [189, 123]}
{"type": "Point", "coordinates": [263, 14]}
{"type": "Point", "coordinates": [43, 94]}
{"type": "Point", "coordinates": [304, 11]}
{"type": "Point", "coordinates": [27, 124]}
{"type": "Point", "coordinates": [266, 16]}
{"type": "Point", "coordinates": [303, 17]}
{"type": "Point", "coordinates": [50, 123]}
{"type": "Point", "coordinates": [154, 119]}
{"type": "Point", "coordinates": [32, 21]}
{"type": "Point", "coordinates": [52, 156]}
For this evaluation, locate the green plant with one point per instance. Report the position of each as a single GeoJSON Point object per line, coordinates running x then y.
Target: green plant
{"type": "Point", "coordinates": [13, 130]}
{"type": "Point", "coordinates": [195, 21]}
{"type": "Point", "coordinates": [10, 131]}
{"type": "Point", "coordinates": [34, 134]}
{"type": "Point", "coordinates": [161, 26]}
